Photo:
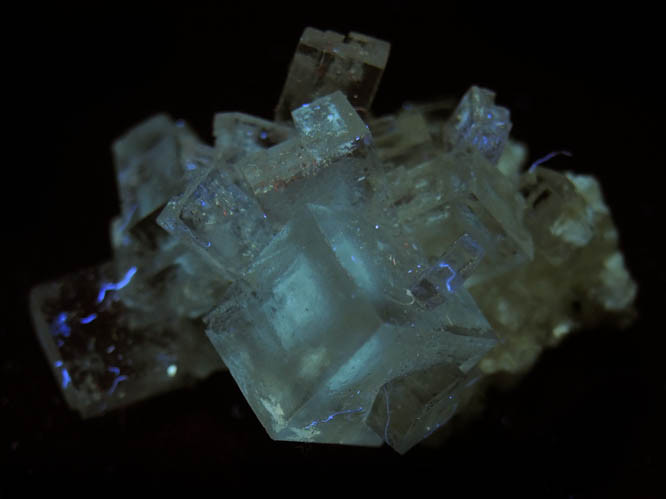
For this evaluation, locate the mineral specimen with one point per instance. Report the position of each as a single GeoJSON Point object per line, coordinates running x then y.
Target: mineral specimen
{"type": "Point", "coordinates": [356, 279]}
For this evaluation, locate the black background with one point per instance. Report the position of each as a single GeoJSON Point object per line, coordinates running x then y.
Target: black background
{"type": "Point", "coordinates": [589, 419]}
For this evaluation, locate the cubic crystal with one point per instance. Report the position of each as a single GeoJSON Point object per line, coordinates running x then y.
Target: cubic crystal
{"type": "Point", "coordinates": [326, 61]}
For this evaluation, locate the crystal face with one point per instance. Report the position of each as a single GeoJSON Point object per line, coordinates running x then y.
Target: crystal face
{"type": "Point", "coordinates": [356, 274]}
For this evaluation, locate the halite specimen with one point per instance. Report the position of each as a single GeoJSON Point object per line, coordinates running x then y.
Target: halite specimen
{"type": "Point", "coordinates": [355, 279]}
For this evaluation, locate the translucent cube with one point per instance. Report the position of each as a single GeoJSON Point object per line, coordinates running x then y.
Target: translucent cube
{"type": "Point", "coordinates": [479, 124]}
{"type": "Point", "coordinates": [101, 360]}
{"type": "Point", "coordinates": [148, 167]}
{"type": "Point", "coordinates": [323, 320]}
{"type": "Point", "coordinates": [326, 61]}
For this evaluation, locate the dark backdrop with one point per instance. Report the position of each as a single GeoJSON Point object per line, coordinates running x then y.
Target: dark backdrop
{"type": "Point", "coordinates": [587, 422]}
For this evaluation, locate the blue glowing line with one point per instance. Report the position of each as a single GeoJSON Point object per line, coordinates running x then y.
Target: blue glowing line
{"type": "Point", "coordinates": [113, 286]}
{"type": "Point", "coordinates": [89, 319]}
{"type": "Point", "coordinates": [115, 383]}
{"type": "Point", "coordinates": [547, 157]}
{"type": "Point", "coordinates": [66, 379]}
{"type": "Point", "coordinates": [451, 277]}
{"type": "Point", "coordinates": [114, 370]}
{"type": "Point", "coordinates": [60, 325]}
{"type": "Point", "coordinates": [128, 217]}
{"type": "Point", "coordinates": [331, 416]}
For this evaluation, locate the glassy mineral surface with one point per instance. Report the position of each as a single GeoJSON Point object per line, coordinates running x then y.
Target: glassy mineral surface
{"type": "Point", "coordinates": [106, 354]}
{"type": "Point", "coordinates": [324, 321]}
{"type": "Point", "coordinates": [357, 274]}
{"type": "Point", "coordinates": [326, 61]}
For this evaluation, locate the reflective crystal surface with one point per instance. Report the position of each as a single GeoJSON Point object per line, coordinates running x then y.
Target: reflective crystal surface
{"type": "Point", "coordinates": [326, 61]}
{"type": "Point", "coordinates": [323, 322]}
{"type": "Point", "coordinates": [479, 124]}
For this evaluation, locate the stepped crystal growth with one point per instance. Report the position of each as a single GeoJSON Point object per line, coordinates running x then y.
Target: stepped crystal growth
{"type": "Point", "coordinates": [356, 274]}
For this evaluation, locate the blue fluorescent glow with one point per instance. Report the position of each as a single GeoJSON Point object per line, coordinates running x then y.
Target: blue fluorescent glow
{"type": "Point", "coordinates": [128, 217]}
{"type": "Point", "coordinates": [190, 166]}
{"type": "Point", "coordinates": [203, 203]}
{"type": "Point", "coordinates": [305, 105]}
{"type": "Point", "coordinates": [263, 135]}
{"type": "Point", "coordinates": [113, 286]}
{"type": "Point", "coordinates": [547, 157]}
{"type": "Point", "coordinates": [89, 319]}
{"type": "Point", "coordinates": [353, 258]}
{"type": "Point", "coordinates": [58, 363]}
{"type": "Point", "coordinates": [115, 383]}
{"type": "Point", "coordinates": [442, 265]}
{"type": "Point", "coordinates": [66, 380]}
{"type": "Point", "coordinates": [110, 349]}
{"type": "Point", "coordinates": [60, 325]}
{"type": "Point", "coordinates": [376, 226]}
{"type": "Point", "coordinates": [331, 416]}
{"type": "Point", "coordinates": [114, 370]}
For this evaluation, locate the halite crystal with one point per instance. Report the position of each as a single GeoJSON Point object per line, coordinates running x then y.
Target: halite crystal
{"type": "Point", "coordinates": [324, 321]}
{"type": "Point", "coordinates": [106, 354]}
{"type": "Point", "coordinates": [326, 61]}
{"type": "Point", "coordinates": [479, 123]}
{"type": "Point", "coordinates": [355, 279]}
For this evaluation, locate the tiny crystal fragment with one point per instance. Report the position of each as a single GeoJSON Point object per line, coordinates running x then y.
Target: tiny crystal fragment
{"type": "Point", "coordinates": [477, 122]}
